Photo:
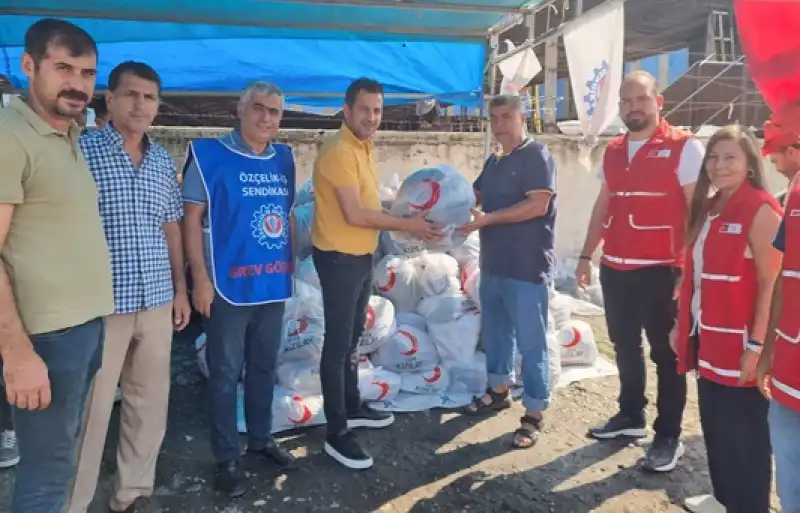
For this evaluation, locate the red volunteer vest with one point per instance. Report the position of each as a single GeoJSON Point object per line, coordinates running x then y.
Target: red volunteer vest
{"type": "Point", "coordinates": [786, 362]}
{"type": "Point", "coordinates": [728, 290]}
{"type": "Point", "coordinates": [645, 220]}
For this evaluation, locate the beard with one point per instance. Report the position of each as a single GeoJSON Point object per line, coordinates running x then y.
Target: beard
{"type": "Point", "coordinates": [638, 124]}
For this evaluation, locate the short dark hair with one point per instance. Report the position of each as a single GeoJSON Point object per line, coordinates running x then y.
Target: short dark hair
{"type": "Point", "coordinates": [51, 31]}
{"type": "Point", "coordinates": [513, 101]}
{"type": "Point", "coordinates": [366, 85]}
{"type": "Point", "coordinates": [99, 106]}
{"type": "Point", "coordinates": [137, 69]}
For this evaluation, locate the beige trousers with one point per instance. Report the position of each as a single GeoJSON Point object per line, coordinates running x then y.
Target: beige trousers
{"type": "Point", "coordinates": [136, 354]}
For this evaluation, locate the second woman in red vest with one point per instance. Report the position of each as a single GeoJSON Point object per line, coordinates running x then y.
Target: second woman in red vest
{"type": "Point", "coordinates": [730, 271]}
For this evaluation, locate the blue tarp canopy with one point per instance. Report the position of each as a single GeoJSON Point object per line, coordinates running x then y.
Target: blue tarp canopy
{"type": "Point", "coordinates": [450, 72]}
{"type": "Point", "coordinates": [403, 20]}
{"type": "Point", "coordinates": [414, 47]}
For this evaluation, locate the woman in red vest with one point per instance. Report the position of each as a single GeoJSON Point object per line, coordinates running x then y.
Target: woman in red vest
{"type": "Point", "coordinates": [725, 296]}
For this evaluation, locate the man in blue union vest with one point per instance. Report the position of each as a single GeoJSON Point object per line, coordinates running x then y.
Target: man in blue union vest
{"type": "Point", "coordinates": [238, 194]}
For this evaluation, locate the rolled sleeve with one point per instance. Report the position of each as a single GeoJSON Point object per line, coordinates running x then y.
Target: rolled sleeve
{"type": "Point", "coordinates": [339, 166]}
{"type": "Point", "coordinates": [193, 189]}
{"type": "Point", "coordinates": [780, 237]}
{"type": "Point", "coordinates": [540, 171]}
{"type": "Point", "coordinates": [14, 169]}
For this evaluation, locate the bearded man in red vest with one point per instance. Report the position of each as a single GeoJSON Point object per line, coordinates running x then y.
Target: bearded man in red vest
{"type": "Point", "coordinates": [648, 178]}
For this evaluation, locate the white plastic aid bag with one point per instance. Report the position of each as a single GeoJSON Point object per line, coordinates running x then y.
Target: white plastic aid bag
{"type": "Point", "coordinates": [457, 340]}
{"type": "Point", "coordinates": [379, 324]}
{"type": "Point", "coordinates": [303, 219]}
{"type": "Point", "coordinates": [469, 376]}
{"type": "Point", "coordinates": [307, 273]}
{"type": "Point", "coordinates": [553, 361]}
{"type": "Point", "coordinates": [200, 350]}
{"type": "Point", "coordinates": [302, 341]}
{"type": "Point", "coordinates": [408, 350]}
{"type": "Point", "coordinates": [561, 308]}
{"type": "Point", "coordinates": [388, 190]}
{"type": "Point", "coordinates": [438, 274]}
{"type": "Point", "coordinates": [414, 320]}
{"type": "Point", "coordinates": [396, 277]}
{"type": "Point", "coordinates": [445, 308]}
{"type": "Point", "coordinates": [445, 195]}
{"type": "Point", "coordinates": [433, 381]}
{"type": "Point", "coordinates": [577, 344]}
{"type": "Point", "coordinates": [292, 410]}
{"type": "Point", "coordinates": [304, 194]}
{"type": "Point", "coordinates": [378, 385]}
{"type": "Point", "coordinates": [472, 283]}
{"type": "Point", "coordinates": [300, 376]}
{"type": "Point", "coordinates": [469, 250]}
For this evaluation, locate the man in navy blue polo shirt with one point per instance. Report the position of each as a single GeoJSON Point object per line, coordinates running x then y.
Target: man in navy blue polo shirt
{"type": "Point", "coordinates": [517, 191]}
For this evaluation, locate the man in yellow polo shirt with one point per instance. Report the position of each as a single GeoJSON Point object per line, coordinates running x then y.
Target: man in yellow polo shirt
{"type": "Point", "coordinates": [347, 222]}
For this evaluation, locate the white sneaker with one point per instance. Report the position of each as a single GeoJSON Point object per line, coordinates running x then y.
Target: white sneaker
{"type": "Point", "coordinates": [9, 451]}
{"type": "Point", "coordinates": [704, 504]}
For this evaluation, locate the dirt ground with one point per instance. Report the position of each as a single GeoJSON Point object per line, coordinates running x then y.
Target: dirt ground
{"type": "Point", "coordinates": [428, 462]}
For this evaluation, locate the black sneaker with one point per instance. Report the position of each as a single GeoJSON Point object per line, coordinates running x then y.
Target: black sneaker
{"type": "Point", "coordinates": [231, 479]}
{"type": "Point", "coordinates": [663, 454]}
{"type": "Point", "coordinates": [278, 455]}
{"type": "Point", "coordinates": [618, 426]}
{"type": "Point", "coordinates": [346, 450]}
{"type": "Point", "coordinates": [367, 417]}
{"type": "Point", "coordinates": [142, 505]}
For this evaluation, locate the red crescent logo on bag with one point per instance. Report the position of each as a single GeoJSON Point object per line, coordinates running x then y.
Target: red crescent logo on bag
{"type": "Point", "coordinates": [437, 374]}
{"type": "Point", "coordinates": [391, 280]}
{"type": "Point", "coordinates": [436, 192]}
{"type": "Point", "coordinates": [463, 278]}
{"type": "Point", "coordinates": [576, 339]}
{"type": "Point", "coordinates": [369, 322]}
{"type": "Point", "coordinates": [384, 386]}
{"type": "Point", "coordinates": [302, 326]}
{"type": "Point", "coordinates": [306, 412]}
{"type": "Point", "coordinates": [414, 343]}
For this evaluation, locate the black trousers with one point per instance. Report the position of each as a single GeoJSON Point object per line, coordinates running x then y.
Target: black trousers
{"type": "Point", "coordinates": [736, 432]}
{"type": "Point", "coordinates": [5, 412]}
{"type": "Point", "coordinates": [642, 299]}
{"type": "Point", "coordinates": [346, 282]}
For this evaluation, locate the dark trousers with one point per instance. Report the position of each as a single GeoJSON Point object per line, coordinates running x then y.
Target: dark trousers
{"type": "Point", "coordinates": [346, 287]}
{"type": "Point", "coordinates": [642, 299]}
{"type": "Point", "coordinates": [736, 433]}
{"type": "Point", "coordinates": [5, 412]}
{"type": "Point", "coordinates": [48, 439]}
{"type": "Point", "coordinates": [241, 338]}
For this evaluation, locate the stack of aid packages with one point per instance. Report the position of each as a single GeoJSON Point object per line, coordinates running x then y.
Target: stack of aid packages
{"type": "Point", "coordinates": [421, 343]}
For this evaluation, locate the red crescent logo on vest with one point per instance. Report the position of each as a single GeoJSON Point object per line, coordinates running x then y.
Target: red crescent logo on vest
{"type": "Point", "coordinates": [436, 192]}
{"type": "Point", "coordinates": [391, 280]}
{"type": "Point", "coordinates": [384, 386]}
{"type": "Point", "coordinates": [305, 417]}
{"type": "Point", "coordinates": [302, 326]}
{"type": "Point", "coordinates": [437, 374]}
{"type": "Point", "coordinates": [414, 343]}
{"type": "Point", "coordinates": [370, 320]}
{"type": "Point", "coordinates": [576, 339]}
{"type": "Point", "coordinates": [273, 225]}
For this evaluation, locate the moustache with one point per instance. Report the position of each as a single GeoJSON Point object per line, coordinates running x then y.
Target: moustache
{"type": "Point", "coordinates": [631, 114]}
{"type": "Point", "coordinates": [72, 94]}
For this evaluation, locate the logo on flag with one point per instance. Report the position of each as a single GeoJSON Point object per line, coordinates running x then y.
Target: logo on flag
{"type": "Point", "coordinates": [594, 87]}
{"type": "Point", "coordinates": [269, 226]}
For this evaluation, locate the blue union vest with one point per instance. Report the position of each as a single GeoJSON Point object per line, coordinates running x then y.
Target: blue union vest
{"type": "Point", "coordinates": [249, 201]}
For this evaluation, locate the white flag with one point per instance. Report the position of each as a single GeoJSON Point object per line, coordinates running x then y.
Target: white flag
{"type": "Point", "coordinates": [594, 45]}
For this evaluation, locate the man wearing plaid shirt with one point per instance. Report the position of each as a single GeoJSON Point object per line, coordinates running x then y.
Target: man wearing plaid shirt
{"type": "Point", "coordinates": [141, 206]}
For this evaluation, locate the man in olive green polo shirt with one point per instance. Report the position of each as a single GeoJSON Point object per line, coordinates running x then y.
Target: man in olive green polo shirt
{"type": "Point", "coordinates": [55, 281]}
{"type": "Point", "coordinates": [347, 221]}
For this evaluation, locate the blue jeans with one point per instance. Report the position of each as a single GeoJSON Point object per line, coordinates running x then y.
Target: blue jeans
{"type": "Point", "coordinates": [239, 337]}
{"type": "Point", "coordinates": [515, 311]}
{"type": "Point", "coordinates": [48, 439]}
{"type": "Point", "coordinates": [784, 426]}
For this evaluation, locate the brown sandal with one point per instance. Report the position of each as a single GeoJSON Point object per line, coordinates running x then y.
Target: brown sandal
{"type": "Point", "coordinates": [499, 401]}
{"type": "Point", "coordinates": [528, 432]}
